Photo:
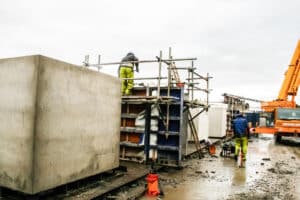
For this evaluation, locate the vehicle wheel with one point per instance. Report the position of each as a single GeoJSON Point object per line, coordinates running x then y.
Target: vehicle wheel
{"type": "Point", "coordinates": [277, 138]}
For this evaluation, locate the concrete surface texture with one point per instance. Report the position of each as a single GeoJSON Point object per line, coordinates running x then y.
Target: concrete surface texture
{"type": "Point", "coordinates": [59, 123]}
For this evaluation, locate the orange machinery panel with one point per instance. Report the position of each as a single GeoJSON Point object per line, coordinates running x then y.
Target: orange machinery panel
{"type": "Point", "coordinates": [130, 137]}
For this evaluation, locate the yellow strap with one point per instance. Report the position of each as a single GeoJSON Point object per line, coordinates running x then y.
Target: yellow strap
{"type": "Point", "coordinates": [127, 65]}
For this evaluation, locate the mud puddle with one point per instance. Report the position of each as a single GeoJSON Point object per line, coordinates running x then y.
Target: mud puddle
{"type": "Point", "coordinates": [272, 172]}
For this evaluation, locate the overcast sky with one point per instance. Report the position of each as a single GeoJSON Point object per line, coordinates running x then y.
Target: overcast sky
{"type": "Point", "coordinates": [246, 45]}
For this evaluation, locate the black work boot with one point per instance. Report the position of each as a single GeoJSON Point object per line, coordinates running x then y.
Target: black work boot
{"type": "Point", "coordinates": [235, 157]}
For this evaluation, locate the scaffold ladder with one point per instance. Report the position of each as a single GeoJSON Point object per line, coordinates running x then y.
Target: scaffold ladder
{"type": "Point", "coordinates": [175, 75]}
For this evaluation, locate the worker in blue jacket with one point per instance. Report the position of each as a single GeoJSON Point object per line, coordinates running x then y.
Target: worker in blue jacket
{"type": "Point", "coordinates": [241, 133]}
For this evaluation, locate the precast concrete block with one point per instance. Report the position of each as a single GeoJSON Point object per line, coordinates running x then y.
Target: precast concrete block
{"type": "Point", "coordinates": [58, 123]}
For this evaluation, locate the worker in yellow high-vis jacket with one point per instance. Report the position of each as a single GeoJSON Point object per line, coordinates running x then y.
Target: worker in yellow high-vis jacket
{"type": "Point", "coordinates": [126, 71]}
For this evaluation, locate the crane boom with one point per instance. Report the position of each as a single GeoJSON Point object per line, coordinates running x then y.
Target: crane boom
{"type": "Point", "coordinates": [281, 117]}
{"type": "Point", "coordinates": [292, 78]}
{"type": "Point", "coordinates": [289, 86]}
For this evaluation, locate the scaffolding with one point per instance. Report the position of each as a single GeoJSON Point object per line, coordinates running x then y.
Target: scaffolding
{"type": "Point", "coordinates": [172, 77]}
{"type": "Point", "coordinates": [188, 88]}
{"type": "Point", "coordinates": [236, 104]}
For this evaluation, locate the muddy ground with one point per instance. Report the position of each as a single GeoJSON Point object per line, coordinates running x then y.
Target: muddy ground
{"type": "Point", "coordinates": [272, 171]}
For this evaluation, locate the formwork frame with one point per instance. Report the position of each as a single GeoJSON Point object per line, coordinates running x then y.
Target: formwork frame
{"type": "Point", "coordinates": [192, 82]}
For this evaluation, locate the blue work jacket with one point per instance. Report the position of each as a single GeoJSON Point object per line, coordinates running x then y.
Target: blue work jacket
{"type": "Point", "coordinates": [240, 126]}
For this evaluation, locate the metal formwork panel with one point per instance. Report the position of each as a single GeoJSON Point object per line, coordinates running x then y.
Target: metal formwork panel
{"type": "Point", "coordinates": [172, 143]}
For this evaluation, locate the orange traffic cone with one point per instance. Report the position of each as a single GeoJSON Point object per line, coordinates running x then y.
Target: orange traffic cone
{"type": "Point", "coordinates": [152, 180]}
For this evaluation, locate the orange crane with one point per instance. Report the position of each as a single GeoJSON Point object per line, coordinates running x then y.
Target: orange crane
{"type": "Point", "coordinates": [281, 116]}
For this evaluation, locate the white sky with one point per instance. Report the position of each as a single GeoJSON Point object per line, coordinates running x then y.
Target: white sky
{"type": "Point", "coordinates": [246, 45]}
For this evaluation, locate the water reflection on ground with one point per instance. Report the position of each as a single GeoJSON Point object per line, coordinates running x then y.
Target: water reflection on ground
{"type": "Point", "coordinates": [220, 178]}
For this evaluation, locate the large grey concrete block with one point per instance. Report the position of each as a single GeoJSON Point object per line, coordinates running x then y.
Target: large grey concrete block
{"type": "Point", "coordinates": [58, 123]}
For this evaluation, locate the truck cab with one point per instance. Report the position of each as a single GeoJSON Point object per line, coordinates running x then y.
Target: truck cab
{"type": "Point", "coordinates": [281, 122]}
{"type": "Point", "coordinates": [287, 122]}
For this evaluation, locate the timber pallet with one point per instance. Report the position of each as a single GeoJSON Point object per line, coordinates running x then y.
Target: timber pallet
{"type": "Point", "coordinates": [95, 187]}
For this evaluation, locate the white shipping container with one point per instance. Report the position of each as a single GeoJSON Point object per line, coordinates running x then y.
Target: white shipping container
{"type": "Point", "coordinates": [217, 120]}
{"type": "Point", "coordinates": [201, 124]}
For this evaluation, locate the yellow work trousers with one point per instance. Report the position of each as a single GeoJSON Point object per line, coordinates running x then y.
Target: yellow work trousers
{"type": "Point", "coordinates": [241, 142]}
{"type": "Point", "coordinates": [127, 85]}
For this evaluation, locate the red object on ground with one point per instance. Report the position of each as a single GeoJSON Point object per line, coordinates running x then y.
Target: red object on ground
{"type": "Point", "coordinates": [212, 149]}
{"type": "Point", "coordinates": [152, 180]}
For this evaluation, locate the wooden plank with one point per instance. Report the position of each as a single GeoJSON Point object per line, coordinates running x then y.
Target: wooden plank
{"type": "Point", "coordinates": [134, 171]}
